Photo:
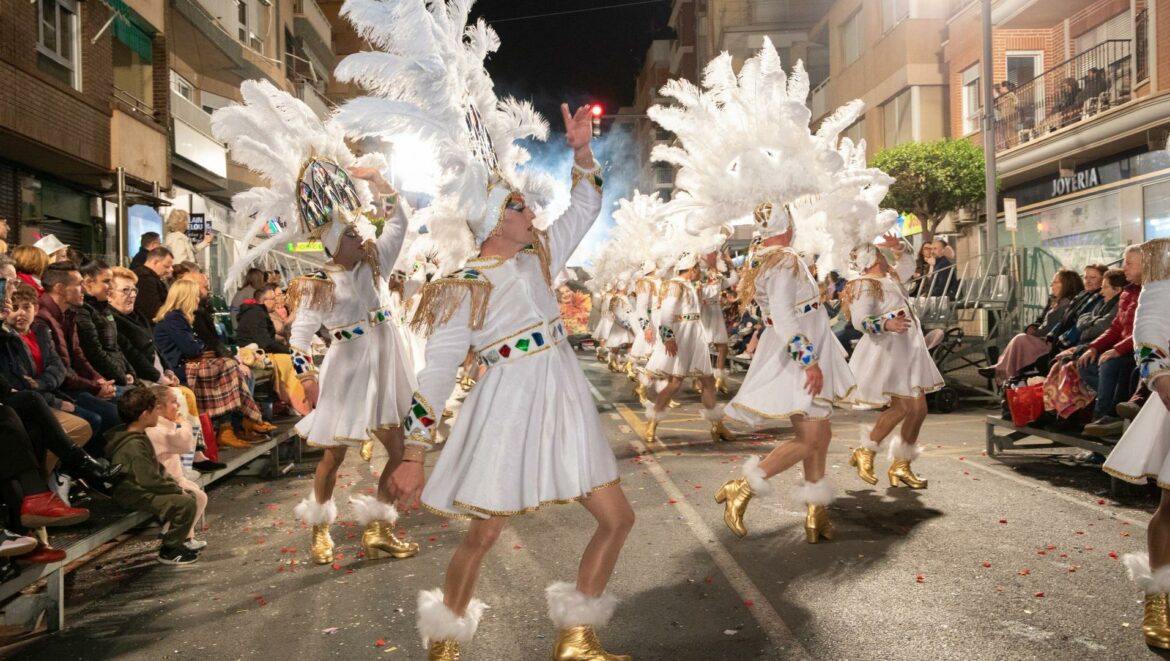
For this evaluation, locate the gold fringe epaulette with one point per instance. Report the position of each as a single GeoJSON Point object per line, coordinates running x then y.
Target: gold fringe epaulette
{"type": "Point", "coordinates": [440, 299]}
{"type": "Point", "coordinates": [853, 290]}
{"type": "Point", "coordinates": [644, 286]}
{"type": "Point", "coordinates": [540, 249]}
{"type": "Point", "coordinates": [615, 303]}
{"type": "Point", "coordinates": [669, 287]}
{"type": "Point", "coordinates": [1155, 260]}
{"type": "Point", "coordinates": [760, 262]}
{"type": "Point", "coordinates": [313, 291]}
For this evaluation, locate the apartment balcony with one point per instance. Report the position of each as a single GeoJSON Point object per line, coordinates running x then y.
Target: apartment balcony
{"type": "Point", "coordinates": [200, 33]}
{"type": "Point", "coordinates": [202, 158]}
{"type": "Point", "coordinates": [818, 101]}
{"type": "Point", "coordinates": [313, 29]}
{"type": "Point", "coordinates": [320, 105]}
{"type": "Point", "coordinates": [1079, 90]}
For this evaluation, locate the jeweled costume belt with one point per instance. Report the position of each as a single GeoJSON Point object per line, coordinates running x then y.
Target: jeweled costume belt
{"type": "Point", "coordinates": [693, 316]}
{"type": "Point", "coordinates": [357, 329]}
{"type": "Point", "coordinates": [801, 309]}
{"type": "Point", "coordinates": [531, 340]}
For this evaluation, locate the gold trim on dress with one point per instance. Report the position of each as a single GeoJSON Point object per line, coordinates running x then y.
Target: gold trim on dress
{"type": "Point", "coordinates": [1136, 479]}
{"type": "Point", "coordinates": [921, 391]}
{"type": "Point", "coordinates": [529, 510]}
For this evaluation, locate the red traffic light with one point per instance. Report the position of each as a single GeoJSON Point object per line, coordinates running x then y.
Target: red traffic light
{"type": "Point", "coordinates": [597, 110]}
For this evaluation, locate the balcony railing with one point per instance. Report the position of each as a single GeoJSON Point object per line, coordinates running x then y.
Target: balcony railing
{"type": "Point", "coordinates": [314, 99]}
{"type": "Point", "coordinates": [817, 99]}
{"type": "Point", "coordinates": [193, 138]}
{"type": "Point", "coordinates": [1069, 93]}
{"type": "Point", "coordinates": [316, 18]}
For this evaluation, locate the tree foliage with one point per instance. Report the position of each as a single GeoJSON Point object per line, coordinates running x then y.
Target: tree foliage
{"type": "Point", "coordinates": [933, 178]}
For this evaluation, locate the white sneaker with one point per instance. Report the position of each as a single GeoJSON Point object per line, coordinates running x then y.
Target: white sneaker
{"type": "Point", "coordinates": [60, 484]}
{"type": "Point", "coordinates": [194, 544]}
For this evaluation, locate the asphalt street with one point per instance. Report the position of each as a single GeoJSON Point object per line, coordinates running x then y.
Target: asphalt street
{"type": "Point", "coordinates": [1012, 557]}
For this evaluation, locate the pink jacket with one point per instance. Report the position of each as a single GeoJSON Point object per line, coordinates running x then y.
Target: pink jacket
{"type": "Point", "coordinates": [170, 441]}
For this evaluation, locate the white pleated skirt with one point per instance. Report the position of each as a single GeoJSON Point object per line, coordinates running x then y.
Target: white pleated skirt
{"type": "Point", "coordinates": [693, 358]}
{"type": "Point", "coordinates": [892, 365]}
{"type": "Point", "coordinates": [1144, 451]}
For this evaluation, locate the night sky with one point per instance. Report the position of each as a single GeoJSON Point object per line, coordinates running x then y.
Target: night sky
{"type": "Point", "coordinates": [579, 58]}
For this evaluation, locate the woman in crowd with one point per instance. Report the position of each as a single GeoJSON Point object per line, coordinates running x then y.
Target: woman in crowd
{"type": "Point", "coordinates": [1031, 345]}
{"type": "Point", "coordinates": [177, 240]}
{"type": "Point", "coordinates": [220, 387]}
{"type": "Point", "coordinates": [31, 263]}
{"type": "Point", "coordinates": [97, 331]}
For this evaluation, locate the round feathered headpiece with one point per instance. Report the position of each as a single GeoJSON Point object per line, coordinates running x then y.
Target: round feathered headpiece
{"type": "Point", "coordinates": [429, 80]}
{"type": "Point", "coordinates": [309, 193]}
{"type": "Point", "coordinates": [744, 146]}
{"type": "Point", "coordinates": [638, 226]}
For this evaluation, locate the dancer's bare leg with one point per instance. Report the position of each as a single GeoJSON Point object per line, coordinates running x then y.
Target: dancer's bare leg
{"type": "Point", "coordinates": [789, 453]}
{"type": "Point", "coordinates": [326, 476]}
{"type": "Point", "coordinates": [708, 393]}
{"type": "Point", "coordinates": [915, 415]}
{"type": "Point", "coordinates": [820, 434]}
{"type": "Point", "coordinates": [720, 356]}
{"type": "Point", "coordinates": [673, 384]}
{"type": "Point", "coordinates": [1158, 533]}
{"type": "Point", "coordinates": [393, 440]}
{"type": "Point", "coordinates": [889, 419]}
{"type": "Point", "coordinates": [463, 570]}
{"type": "Point", "coordinates": [615, 518]}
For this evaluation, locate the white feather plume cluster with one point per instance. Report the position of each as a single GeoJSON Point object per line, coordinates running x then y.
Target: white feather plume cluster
{"type": "Point", "coordinates": [744, 139]}
{"type": "Point", "coordinates": [428, 71]}
{"type": "Point", "coordinates": [638, 226]}
{"type": "Point", "coordinates": [848, 214]}
{"type": "Point", "coordinates": [273, 134]}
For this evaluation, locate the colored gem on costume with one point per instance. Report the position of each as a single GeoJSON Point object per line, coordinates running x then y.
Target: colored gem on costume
{"type": "Point", "coordinates": [505, 351]}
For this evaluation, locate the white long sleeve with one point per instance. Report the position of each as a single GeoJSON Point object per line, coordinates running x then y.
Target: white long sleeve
{"type": "Point", "coordinates": [567, 231]}
{"type": "Point", "coordinates": [390, 241]}
{"type": "Point", "coordinates": [1151, 330]}
{"type": "Point", "coordinates": [781, 287]}
{"type": "Point", "coordinates": [446, 350]}
{"type": "Point", "coordinates": [670, 308]}
{"type": "Point", "coordinates": [865, 307]}
{"type": "Point", "coordinates": [904, 268]}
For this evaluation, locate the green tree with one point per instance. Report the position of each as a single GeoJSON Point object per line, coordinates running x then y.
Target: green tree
{"type": "Point", "coordinates": [933, 178]}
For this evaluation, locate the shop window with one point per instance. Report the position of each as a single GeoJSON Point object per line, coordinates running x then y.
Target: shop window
{"type": "Point", "coordinates": [851, 38]}
{"type": "Point", "coordinates": [893, 13]}
{"type": "Point", "coordinates": [1156, 202]}
{"type": "Point", "coordinates": [57, 47]}
{"type": "Point", "coordinates": [898, 115]}
{"type": "Point", "coordinates": [183, 87]}
{"type": "Point", "coordinates": [971, 99]}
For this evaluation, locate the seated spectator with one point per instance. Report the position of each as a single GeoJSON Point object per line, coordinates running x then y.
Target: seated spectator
{"type": "Point", "coordinates": [204, 325]}
{"type": "Point", "coordinates": [135, 335]}
{"type": "Point", "coordinates": [253, 279]}
{"type": "Point", "coordinates": [1026, 348]}
{"type": "Point", "coordinates": [256, 327]}
{"type": "Point", "coordinates": [147, 242]}
{"type": "Point", "coordinates": [1066, 333]}
{"type": "Point", "coordinates": [52, 246]}
{"type": "Point", "coordinates": [152, 281]}
{"type": "Point", "coordinates": [220, 388]}
{"type": "Point", "coordinates": [148, 487]}
{"type": "Point", "coordinates": [30, 265]}
{"type": "Point", "coordinates": [281, 321]}
{"type": "Point", "coordinates": [1107, 362]}
{"type": "Point", "coordinates": [173, 437]}
{"type": "Point", "coordinates": [97, 331]}
{"type": "Point", "coordinates": [942, 269]}
{"type": "Point", "coordinates": [181, 246]}
{"type": "Point", "coordinates": [1092, 324]}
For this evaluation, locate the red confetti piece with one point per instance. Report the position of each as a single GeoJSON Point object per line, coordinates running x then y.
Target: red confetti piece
{"type": "Point", "coordinates": [336, 566]}
{"type": "Point", "coordinates": [431, 539]}
{"type": "Point", "coordinates": [442, 525]}
{"type": "Point", "coordinates": [1050, 547]}
{"type": "Point", "coordinates": [672, 501]}
{"type": "Point", "coordinates": [920, 579]}
{"type": "Point", "coordinates": [1064, 555]}
{"type": "Point", "coordinates": [986, 564]}
{"type": "Point", "coordinates": [962, 459]}
{"type": "Point", "coordinates": [1113, 555]}
{"type": "Point", "coordinates": [1003, 520]}
{"type": "Point", "coordinates": [749, 603]}
{"type": "Point", "coordinates": [1041, 552]}
{"type": "Point", "coordinates": [698, 486]}
{"type": "Point", "coordinates": [1072, 570]}
{"type": "Point", "coordinates": [1024, 572]}
{"type": "Point", "coordinates": [1100, 501]}
{"type": "Point", "coordinates": [517, 547]}
{"type": "Point", "coordinates": [707, 580]}
{"type": "Point", "coordinates": [1039, 595]}
{"type": "Point", "coordinates": [260, 541]}
{"type": "Point", "coordinates": [349, 571]}
{"type": "Point", "coordinates": [361, 554]}
{"type": "Point", "coordinates": [280, 568]}
{"type": "Point", "coordinates": [379, 643]}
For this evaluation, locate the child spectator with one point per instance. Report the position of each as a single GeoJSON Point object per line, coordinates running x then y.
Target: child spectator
{"type": "Point", "coordinates": [147, 486]}
{"type": "Point", "coordinates": [173, 437]}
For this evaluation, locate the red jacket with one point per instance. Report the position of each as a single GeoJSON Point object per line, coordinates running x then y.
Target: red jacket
{"type": "Point", "coordinates": [1119, 337]}
{"type": "Point", "coordinates": [80, 375]}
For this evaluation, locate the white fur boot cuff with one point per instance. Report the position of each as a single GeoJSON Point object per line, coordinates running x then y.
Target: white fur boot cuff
{"type": "Point", "coordinates": [755, 476]}
{"type": "Point", "coordinates": [1137, 565]}
{"type": "Point", "coordinates": [368, 508]}
{"type": "Point", "coordinates": [568, 607]}
{"type": "Point", "coordinates": [901, 450]}
{"type": "Point", "coordinates": [314, 513]}
{"type": "Point", "coordinates": [865, 437]}
{"type": "Point", "coordinates": [815, 493]}
{"type": "Point", "coordinates": [437, 622]}
{"type": "Point", "coordinates": [714, 414]}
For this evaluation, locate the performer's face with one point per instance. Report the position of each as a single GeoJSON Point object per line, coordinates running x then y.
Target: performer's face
{"type": "Point", "coordinates": [516, 225]}
{"type": "Point", "coordinates": [349, 249]}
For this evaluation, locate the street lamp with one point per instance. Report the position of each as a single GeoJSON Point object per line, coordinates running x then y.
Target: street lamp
{"type": "Point", "coordinates": [990, 194]}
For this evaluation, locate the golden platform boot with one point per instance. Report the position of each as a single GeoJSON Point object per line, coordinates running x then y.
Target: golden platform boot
{"type": "Point", "coordinates": [379, 538]}
{"type": "Point", "coordinates": [1155, 584]}
{"type": "Point", "coordinates": [816, 497]}
{"type": "Point", "coordinates": [901, 454]}
{"type": "Point", "coordinates": [631, 369]}
{"type": "Point", "coordinates": [735, 494]}
{"type": "Point", "coordinates": [367, 451]}
{"type": "Point", "coordinates": [320, 516]}
{"type": "Point", "coordinates": [575, 616]}
{"type": "Point", "coordinates": [721, 382]}
{"type": "Point", "coordinates": [444, 632]}
{"type": "Point", "coordinates": [651, 425]}
{"type": "Point", "coordinates": [862, 457]}
{"type": "Point", "coordinates": [719, 431]}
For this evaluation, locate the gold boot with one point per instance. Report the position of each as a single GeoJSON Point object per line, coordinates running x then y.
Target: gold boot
{"type": "Point", "coordinates": [612, 364]}
{"type": "Point", "coordinates": [817, 524]}
{"type": "Point", "coordinates": [862, 460]}
{"type": "Point", "coordinates": [367, 451]}
{"type": "Point", "coordinates": [321, 550]}
{"type": "Point", "coordinates": [379, 539]}
{"type": "Point", "coordinates": [674, 404]}
{"type": "Point", "coordinates": [697, 386]}
{"type": "Point", "coordinates": [1156, 621]}
{"type": "Point", "coordinates": [443, 650]}
{"type": "Point", "coordinates": [735, 496]}
{"type": "Point", "coordinates": [900, 471]}
{"type": "Point", "coordinates": [720, 432]}
{"type": "Point", "coordinates": [580, 643]}
{"type": "Point", "coordinates": [631, 370]}
{"type": "Point", "coordinates": [652, 432]}
{"type": "Point", "coordinates": [721, 385]}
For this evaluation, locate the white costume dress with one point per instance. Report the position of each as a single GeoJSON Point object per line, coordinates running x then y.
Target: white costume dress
{"type": "Point", "coordinates": [528, 433]}
{"type": "Point", "coordinates": [365, 382]}
{"type": "Point", "coordinates": [796, 335]}
{"type": "Point", "coordinates": [712, 312]}
{"type": "Point", "coordinates": [679, 319]}
{"type": "Point", "coordinates": [1144, 451]}
{"type": "Point", "coordinates": [621, 331]}
{"type": "Point", "coordinates": [888, 364]}
{"type": "Point", "coordinates": [604, 320]}
{"type": "Point", "coordinates": [645, 302]}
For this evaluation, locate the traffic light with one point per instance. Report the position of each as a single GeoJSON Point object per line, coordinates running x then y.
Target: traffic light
{"type": "Point", "coordinates": [597, 111]}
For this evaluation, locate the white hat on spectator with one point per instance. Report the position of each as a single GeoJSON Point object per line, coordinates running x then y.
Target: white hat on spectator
{"type": "Point", "coordinates": [50, 244]}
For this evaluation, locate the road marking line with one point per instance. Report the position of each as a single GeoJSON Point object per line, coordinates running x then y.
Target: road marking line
{"type": "Point", "coordinates": [770, 621]}
{"type": "Point", "coordinates": [596, 393]}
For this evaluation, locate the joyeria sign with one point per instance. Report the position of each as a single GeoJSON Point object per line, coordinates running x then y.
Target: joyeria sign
{"type": "Point", "coordinates": [1078, 181]}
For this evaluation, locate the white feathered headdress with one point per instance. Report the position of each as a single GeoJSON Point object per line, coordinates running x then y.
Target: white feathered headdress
{"type": "Point", "coordinates": [304, 160]}
{"type": "Point", "coordinates": [745, 149]}
{"type": "Point", "coordinates": [429, 79]}
{"type": "Point", "coordinates": [638, 226]}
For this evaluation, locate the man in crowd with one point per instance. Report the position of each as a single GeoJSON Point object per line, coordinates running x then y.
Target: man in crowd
{"type": "Point", "coordinates": [96, 329]}
{"type": "Point", "coordinates": [147, 242]}
{"type": "Point", "coordinates": [1108, 362]}
{"type": "Point", "coordinates": [153, 276]}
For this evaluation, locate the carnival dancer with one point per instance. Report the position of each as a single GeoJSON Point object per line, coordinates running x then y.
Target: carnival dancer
{"type": "Point", "coordinates": [712, 313]}
{"type": "Point", "coordinates": [604, 325]}
{"type": "Point", "coordinates": [621, 332]}
{"type": "Point", "coordinates": [757, 122]}
{"type": "Point", "coordinates": [892, 355]}
{"type": "Point", "coordinates": [681, 352]}
{"type": "Point", "coordinates": [646, 313]}
{"type": "Point", "coordinates": [1144, 451]}
{"type": "Point", "coordinates": [363, 388]}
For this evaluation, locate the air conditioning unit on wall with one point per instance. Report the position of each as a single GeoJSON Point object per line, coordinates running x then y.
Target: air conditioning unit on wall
{"type": "Point", "coordinates": [964, 216]}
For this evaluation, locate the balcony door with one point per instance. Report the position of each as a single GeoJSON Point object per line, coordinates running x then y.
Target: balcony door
{"type": "Point", "coordinates": [1024, 69]}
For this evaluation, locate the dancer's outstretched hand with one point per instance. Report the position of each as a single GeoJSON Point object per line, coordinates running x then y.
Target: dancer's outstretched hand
{"type": "Point", "coordinates": [406, 485]}
{"type": "Point", "coordinates": [814, 380]}
{"type": "Point", "coordinates": [579, 133]}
